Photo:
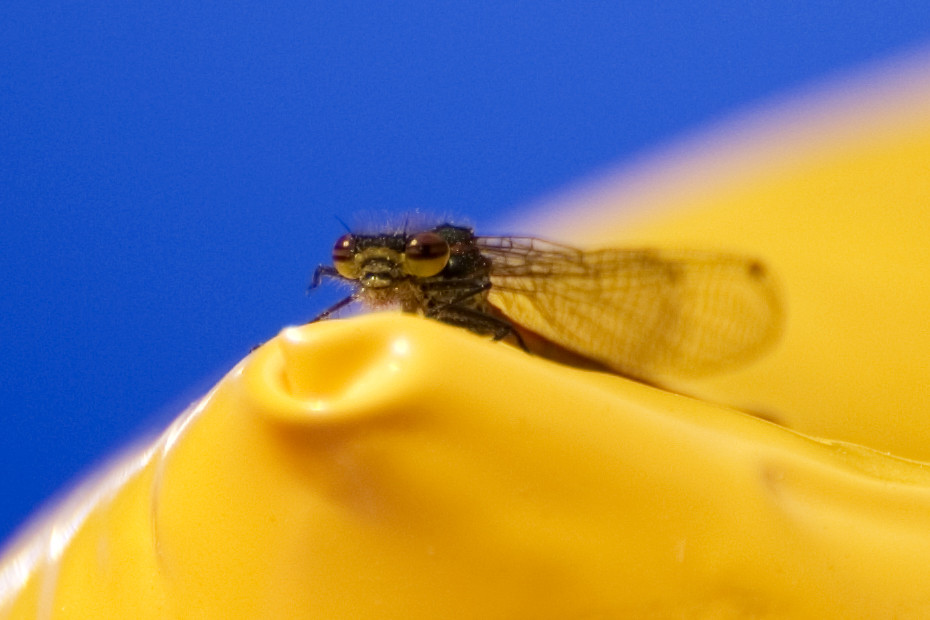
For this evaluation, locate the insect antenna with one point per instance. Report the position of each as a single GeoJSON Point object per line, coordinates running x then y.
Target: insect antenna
{"type": "Point", "coordinates": [344, 225]}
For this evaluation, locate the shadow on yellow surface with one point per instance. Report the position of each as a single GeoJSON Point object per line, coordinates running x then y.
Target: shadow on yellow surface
{"type": "Point", "coordinates": [393, 467]}
{"type": "Point", "coordinates": [832, 191]}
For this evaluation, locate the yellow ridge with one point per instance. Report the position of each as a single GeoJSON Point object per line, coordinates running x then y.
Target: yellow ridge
{"type": "Point", "coordinates": [393, 467]}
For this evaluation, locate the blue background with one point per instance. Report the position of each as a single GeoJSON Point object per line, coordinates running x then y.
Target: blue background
{"type": "Point", "coordinates": [170, 173]}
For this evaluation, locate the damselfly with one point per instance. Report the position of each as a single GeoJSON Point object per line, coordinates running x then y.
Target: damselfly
{"type": "Point", "coordinates": [638, 312]}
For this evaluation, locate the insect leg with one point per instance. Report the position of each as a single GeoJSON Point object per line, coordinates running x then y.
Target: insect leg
{"type": "Point", "coordinates": [463, 289]}
{"type": "Point", "coordinates": [342, 303]}
{"type": "Point", "coordinates": [322, 271]}
{"type": "Point", "coordinates": [454, 312]}
{"type": "Point", "coordinates": [477, 321]}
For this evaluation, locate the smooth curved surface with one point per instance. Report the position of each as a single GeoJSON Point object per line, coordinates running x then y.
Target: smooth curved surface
{"type": "Point", "coordinates": [394, 467]}
{"type": "Point", "coordinates": [390, 466]}
{"type": "Point", "coordinates": [832, 193]}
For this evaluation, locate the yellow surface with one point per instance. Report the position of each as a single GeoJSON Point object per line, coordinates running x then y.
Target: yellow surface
{"type": "Point", "coordinates": [394, 467]}
{"type": "Point", "coordinates": [833, 193]}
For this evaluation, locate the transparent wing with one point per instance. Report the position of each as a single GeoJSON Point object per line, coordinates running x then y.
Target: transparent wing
{"type": "Point", "coordinates": [641, 312]}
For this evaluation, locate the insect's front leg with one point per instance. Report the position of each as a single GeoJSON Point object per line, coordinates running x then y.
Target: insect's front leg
{"type": "Point", "coordinates": [328, 271]}
{"type": "Point", "coordinates": [322, 271]}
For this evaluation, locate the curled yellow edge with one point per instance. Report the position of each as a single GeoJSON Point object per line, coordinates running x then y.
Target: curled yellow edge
{"type": "Point", "coordinates": [388, 466]}
{"type": "Point", "coordinates": [393, 467]}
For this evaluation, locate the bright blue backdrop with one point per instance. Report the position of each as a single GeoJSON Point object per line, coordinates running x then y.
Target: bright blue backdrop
{"type": "Point", "coordinates": [169, 172]}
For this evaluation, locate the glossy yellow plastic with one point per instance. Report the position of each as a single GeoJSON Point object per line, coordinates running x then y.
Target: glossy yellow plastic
{"type": "Point", "coordinates": [833, 193]}
{"type": "Point", "coordinates": [393, 467]}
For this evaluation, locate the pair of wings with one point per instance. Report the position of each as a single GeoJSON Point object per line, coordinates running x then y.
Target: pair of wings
{"type": "Point", "coordinates": [641, 312]}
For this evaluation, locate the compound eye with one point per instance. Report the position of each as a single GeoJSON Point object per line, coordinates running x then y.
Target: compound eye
{"type": "Point", "coordinates": [426, 254]}
{"type": "Point", "coordinates": [344, 256]}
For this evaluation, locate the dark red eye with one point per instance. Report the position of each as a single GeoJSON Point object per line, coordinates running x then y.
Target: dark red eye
{"type": "Point", "coordinates": [344, 256]}
{"type": "Point", "coordinates": [426, 254]}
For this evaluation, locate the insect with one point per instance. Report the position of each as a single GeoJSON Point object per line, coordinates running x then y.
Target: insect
{"type": "Point", "coordinates": [638, 312]}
